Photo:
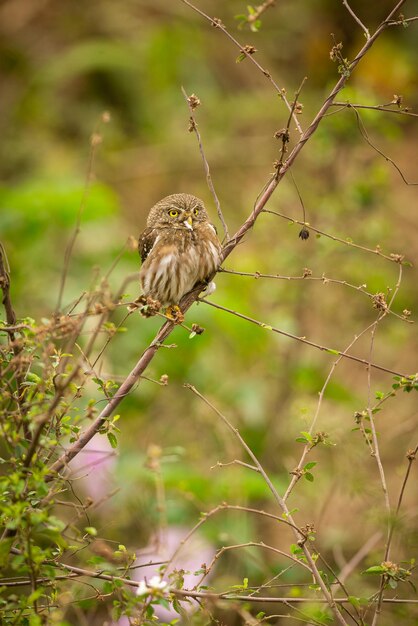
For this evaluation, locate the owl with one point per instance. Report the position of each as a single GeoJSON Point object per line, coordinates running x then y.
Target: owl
{"type": "Point", "coordinates": [179, 248]}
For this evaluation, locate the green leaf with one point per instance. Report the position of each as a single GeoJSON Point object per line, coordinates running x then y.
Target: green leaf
{"type": "Point", "coordinates": [307, 435]}
{"type": "Point", "coordinates": [375, 569]}
{"type": "Point", "coordinates": [35, 596]}
{"type": "Point", "coordinates": [310, 465]}
{"type": "Point", "coordinates": [91, 530]}
{"type": "Point", "coordinates": [112, 440]}
{"type": "Point", "coordinates": [309, 477]}
{"type": "Point", "coordinates": [5, 545]}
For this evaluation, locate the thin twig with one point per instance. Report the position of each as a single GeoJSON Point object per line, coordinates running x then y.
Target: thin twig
{"type": "Point", "coordinates": [304, 340]}
{"type": "Point", "coordinates": [403, 21]}
{"type": "Point", "coordinates": [227, 507]}
{"type": "Point", "coordinates": [297, 472]}
{"type": "Point", "coordinates": [358, 20]}
{"type": "Point", "coordinates": [300, 538]}
{"type": "Point", "coordinates": [195, 129]}
{"type": "Point", "coordinates": [346, 242]}
{"type": "Point", "coordinates": [218, 24]}
{"type": "Point", "coordinates": [95, 141]}
{"type": "Point", "coordinates": [376, 451]}
{"type": "Point", "coordinates": [307, 277]}
{"type": "Point", "coordinates": [259, 10]}
{"type": "Point", "coordinates": [366, 137]}
{"type": "Point", "coordinates": [284, 133]}
{"type": "Point", "coordinates": [379, 107]}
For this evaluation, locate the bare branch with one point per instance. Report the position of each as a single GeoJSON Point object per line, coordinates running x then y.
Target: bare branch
{"type": "Point", "coordinates": [303, 339]}
{"type": "Point", "coordinates": [358, 20]}
{"type": "Point", "coordinates": [378, 107]}
{"type": "Point", "coordinates": [347, 242]}
{"type": "Point", "coordinates": [194, 128]}
{"type": "Point", "coordinates": [365, 136]}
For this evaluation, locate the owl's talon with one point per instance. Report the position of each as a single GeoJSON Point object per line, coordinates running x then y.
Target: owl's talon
{"type": "Point", "coordinates": [174, 313]}
{"type": "Point", "coordinates": [148, 306]}
{"type": "Point", "coordinates": [209, 289]}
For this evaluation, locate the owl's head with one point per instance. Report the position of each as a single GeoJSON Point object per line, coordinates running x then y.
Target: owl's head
{"type": "Point", "coordinates": [180, 210]}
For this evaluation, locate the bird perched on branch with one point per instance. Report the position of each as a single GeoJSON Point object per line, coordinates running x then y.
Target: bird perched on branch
{"type": "Point", "coordinates": [179, 248]}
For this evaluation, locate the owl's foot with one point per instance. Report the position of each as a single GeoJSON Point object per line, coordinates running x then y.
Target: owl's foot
{"type": "Point", "coordinates": [147, 306]}
{"type": "Point", "coordinates": [174, 313]}
{"type": "Point", "coordinates": [209, 289]}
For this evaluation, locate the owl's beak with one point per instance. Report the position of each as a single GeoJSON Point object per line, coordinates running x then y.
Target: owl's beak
{"type": "Point", "coordinates": [189, 222]}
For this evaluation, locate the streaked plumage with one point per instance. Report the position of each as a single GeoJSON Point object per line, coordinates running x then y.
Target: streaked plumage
{"type": "Point", "coordinates": [179, 248]}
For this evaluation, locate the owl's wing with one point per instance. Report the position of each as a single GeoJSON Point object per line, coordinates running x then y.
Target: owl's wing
{"type": "Point", "coordinates": [146, 242]}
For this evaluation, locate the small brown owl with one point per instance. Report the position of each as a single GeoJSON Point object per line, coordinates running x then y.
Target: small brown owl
{"type": "Point", "coordinates": [179, 248]}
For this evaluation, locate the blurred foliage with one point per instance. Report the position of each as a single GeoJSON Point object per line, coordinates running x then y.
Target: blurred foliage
{"type": "Point", "coordinates": [62, 65]}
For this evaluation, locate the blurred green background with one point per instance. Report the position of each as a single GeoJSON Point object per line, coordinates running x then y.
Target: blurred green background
{"type": "Point", "coordinates": [62, 64]}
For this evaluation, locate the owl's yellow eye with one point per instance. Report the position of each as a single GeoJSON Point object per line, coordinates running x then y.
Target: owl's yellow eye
{"type": "Point", "coordinates": [173, 213]}
{"type": "Point", "coordinates": [196, 212]}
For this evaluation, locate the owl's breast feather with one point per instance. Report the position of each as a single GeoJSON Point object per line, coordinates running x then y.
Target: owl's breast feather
{"type": "Point", "coordinates": [174, 267]}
